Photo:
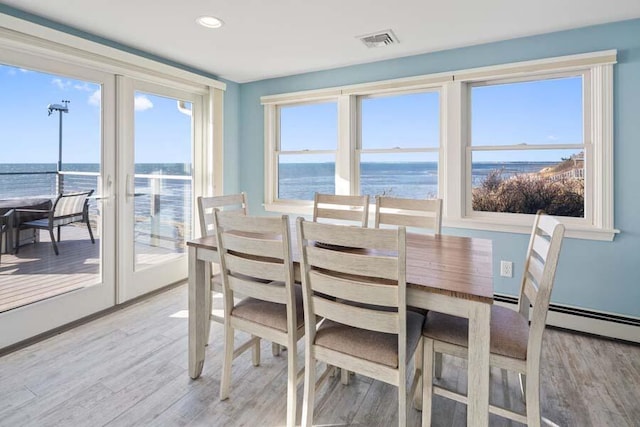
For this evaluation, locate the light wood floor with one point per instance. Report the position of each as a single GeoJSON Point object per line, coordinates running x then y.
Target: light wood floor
{"type": "Point", "coordinates": [130, 369]}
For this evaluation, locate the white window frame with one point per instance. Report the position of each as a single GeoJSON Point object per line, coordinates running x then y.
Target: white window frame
{"type": "Point", "coordinates": [585, 145]}
{"type": "Point", "coordinates": [454, 181]}
{"type": "Point", "coordinates": [359, 151]}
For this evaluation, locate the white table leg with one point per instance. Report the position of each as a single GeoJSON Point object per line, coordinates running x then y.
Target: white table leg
{"type": "Point", "coordinates": [198, 316]}
{"type": "Point", "coordinates": [478, 382]}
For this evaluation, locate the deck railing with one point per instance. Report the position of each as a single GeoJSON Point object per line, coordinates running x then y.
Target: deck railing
{"type": "Point", "coordinates": [163, 203]}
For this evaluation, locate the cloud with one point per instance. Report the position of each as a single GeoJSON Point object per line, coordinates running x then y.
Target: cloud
{"type": "Point", "coordinates": [142, 103]}
{"type": "Point", "coordinates": [22, 70]}
{"type": "Point", "coordinates": [62, 85]}
{"type": "Point", "coordinates": [84, 87]}
{"type": "Point", "coordinates": [95, 98]}
{"type": "Point", "coordinates": [552, 138]}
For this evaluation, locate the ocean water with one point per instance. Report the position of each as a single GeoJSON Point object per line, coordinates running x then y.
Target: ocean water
{"type": "Point", "coordinates": [299, 181]}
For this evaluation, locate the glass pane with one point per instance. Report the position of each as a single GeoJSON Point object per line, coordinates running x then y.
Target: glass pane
{"type": "Point", "coordinates": [524, 181]}
{"type": "Point", "coordinates": [309, 127]}
{"type": "Point", "coordinates": [536, 112]}
{"type": "Point", "coordinates": [163, 184]}
{"type": "Point", "coordinates": [403, 121]}
{"type": "Point", "coordinates": [50, 128]}
{"type": "Point", "coordinates": [300, 176]}
{"type": "Point", "coordinates": [409, 175]}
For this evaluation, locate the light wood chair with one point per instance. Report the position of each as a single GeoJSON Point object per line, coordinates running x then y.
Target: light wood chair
{"type": "Point", "coordinates": [361, 294]}
{"type": "Point", "coordinates": [255, 261]}
{"type": "Point", "coordinates": [515, 345]}
{"type": "Point", "coordinates": [422, 213]}
{"type": "Point", "coordinates": [335, 207]}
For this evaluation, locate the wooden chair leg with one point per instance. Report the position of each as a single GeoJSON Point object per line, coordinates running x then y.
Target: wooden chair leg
{"type": "Point", "coordinates": [427, 381]}
{"type": "Point", "coordinates": [275, 349]}
{"type": "Point", "coordinates": [344, 376]}
{"type": "Point", "coordinates": [533, 401]}
{"type": "Point", "coordinates": [227, 361]}
{"type": "Point", "coordinates": [255, 357]}
{"type": "Point", "coordinates": [309, 387]}
{"type": "Point", "coordinates": [438, 365]}
{"type": "Point", "coordinates": [208, 308]}
{"type": "Point", "coordinates": [402, 397]}
{"type": "Point", "coordinates": [417, 377]}
{"type": "Point", "coordinates": [292, 383]}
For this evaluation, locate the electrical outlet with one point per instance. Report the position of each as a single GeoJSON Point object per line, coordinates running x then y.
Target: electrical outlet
{"type": "Point", "coordinates": [506, 268]}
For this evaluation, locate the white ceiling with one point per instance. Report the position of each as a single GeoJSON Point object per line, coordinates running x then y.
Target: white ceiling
{"type": "Point", "coordinates": [271, 38]}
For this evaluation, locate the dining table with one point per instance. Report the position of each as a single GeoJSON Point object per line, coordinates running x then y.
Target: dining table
{"type": "Point", "coordinates": [444, 273]}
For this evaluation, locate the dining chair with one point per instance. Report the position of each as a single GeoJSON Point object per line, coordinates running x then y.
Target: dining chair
{"type": "Point", "coordinates": [515, 344]}
{"type": "Point", "coordinates": [335, 207]}
{"type": "Point", "coordinates": [256, 261]}
{"type": "Point", "coordinates": [236, 203]}
{"type": "Point", "coordinates": [6, 229]}
{"type": "Point", "coordinates": [422, 213]}
{"type": "Point", "coordinates": [361, 296]}
{"type": "Point", "coordinates": [67, 209]}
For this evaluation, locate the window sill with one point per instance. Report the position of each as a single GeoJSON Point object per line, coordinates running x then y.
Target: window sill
{"type": "Point", "coordinates": [503, 224]}
{"type": "Point", "coordinates": [572, 230]}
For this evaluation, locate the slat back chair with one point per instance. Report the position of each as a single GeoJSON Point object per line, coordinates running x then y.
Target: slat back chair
{"type": "Point", "coordinates": [422, 213]}
{"type": "Point", "coordinates": [67, 209]}
{"type": "Point", "coordinates": [6, 229]}
{"type": "Point", "coordinates": [341, 208]}
{"type": "Point", "coordinates": [236, 203]}
{"type": "Point", "coordinates": [361, 294]}
{"type": "Point", "coordinates": [255, 259]}
{"type": "Point", "coordinates": [515, 344]}
{"type": "Point", "coordinates": [206, 206]}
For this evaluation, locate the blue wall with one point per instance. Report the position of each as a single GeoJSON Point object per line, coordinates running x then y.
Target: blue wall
{"type": "Point", "coordinates": [593, 275]}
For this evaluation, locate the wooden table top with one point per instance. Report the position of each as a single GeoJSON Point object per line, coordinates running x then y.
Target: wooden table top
{"type": "Point", "coordinates": [448, 265]}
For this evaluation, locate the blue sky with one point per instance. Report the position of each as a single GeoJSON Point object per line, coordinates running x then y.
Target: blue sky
{"type": "Point", "coordinates": [28, 135]}
{"type": "Point", "coordinates": [542, 112]}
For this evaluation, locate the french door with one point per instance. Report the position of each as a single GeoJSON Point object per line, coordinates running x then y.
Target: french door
{"type": "Point", "coordinates": [40, 158]}
{"type": "Point", "coordinates": [156, 144]}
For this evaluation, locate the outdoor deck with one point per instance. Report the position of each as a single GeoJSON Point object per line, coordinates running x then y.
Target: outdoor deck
{"type": "Point", "coordinates": [36, 273]}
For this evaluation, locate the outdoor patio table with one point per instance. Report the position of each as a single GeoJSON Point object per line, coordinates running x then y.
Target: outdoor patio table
{"type": "Point", "coordinates": [36, 203]}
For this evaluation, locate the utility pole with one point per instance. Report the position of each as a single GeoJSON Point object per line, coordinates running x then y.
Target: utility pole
{"type": "Point", "coordinates": [61, 109]}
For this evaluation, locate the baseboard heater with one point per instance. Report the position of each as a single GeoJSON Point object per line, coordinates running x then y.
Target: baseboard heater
{"type": "Point", "coordinates": [592, 322]}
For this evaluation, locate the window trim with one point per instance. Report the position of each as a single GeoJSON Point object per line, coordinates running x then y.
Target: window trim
{"type": "Point", "coordinates": [454, 132]}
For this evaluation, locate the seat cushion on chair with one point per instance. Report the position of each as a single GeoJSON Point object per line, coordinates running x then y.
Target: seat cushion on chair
{"type": "Point", "coordinates": [509, 331]}
{"type": "Point", "coordinates": [267, 313]}
{"type": "Point", "coordinates": [378, 347]}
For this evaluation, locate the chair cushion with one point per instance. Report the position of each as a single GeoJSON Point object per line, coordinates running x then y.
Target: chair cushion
{"type": "Point", "coordinates": [378, 347]}
{"type": "Point", "coordinates": [509, 331]}
{"type": "Point", "coordinates": [269, 314]}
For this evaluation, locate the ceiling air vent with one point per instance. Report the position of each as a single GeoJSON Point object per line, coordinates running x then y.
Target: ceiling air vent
{"type": "Point", "coordinates": [379, 39]}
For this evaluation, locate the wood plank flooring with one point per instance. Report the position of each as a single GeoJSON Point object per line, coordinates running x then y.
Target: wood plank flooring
{"type": "Point", "coordinates": [130, 369]}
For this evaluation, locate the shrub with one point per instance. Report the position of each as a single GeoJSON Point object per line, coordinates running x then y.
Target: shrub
{"type": "Point", "coordinates": [529, 193]}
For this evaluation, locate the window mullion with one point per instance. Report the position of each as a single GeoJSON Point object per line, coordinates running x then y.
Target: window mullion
{"type": "Point", "coordinates": [345, 156]}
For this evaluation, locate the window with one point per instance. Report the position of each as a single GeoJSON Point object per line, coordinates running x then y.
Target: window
{"type": "Point", "coordinates": [399, 145]}
{"type": "Point", "coordinates": [527, 149]}
{"type": "Point", "coordinates": [495, 143]}
{"type": "Point", "coordinates": [307, 154]}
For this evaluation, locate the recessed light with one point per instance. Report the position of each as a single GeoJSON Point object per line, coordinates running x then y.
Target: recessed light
{"type": "Point", "coordinates": [209, 21]}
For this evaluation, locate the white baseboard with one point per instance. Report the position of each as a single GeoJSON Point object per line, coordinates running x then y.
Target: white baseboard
{"type": "Point", "coordinates": [617, 327]}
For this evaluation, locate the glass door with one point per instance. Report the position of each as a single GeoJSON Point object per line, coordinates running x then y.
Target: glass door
{"type": "Point", "coordinates": [156, 203]}
{"type": "Point", "coordinates": [56, 138]}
